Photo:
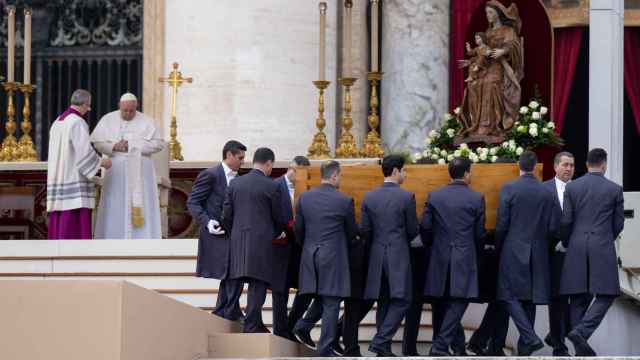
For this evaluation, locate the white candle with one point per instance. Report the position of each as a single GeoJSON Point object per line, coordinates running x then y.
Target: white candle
{"type": "Point", "coordinates": [27, 46]}
{"type": "Point", "coordinates": [374, 36]}
{"type": "Point", "coordinates": [323, 26]}
{"type": "Point", "coordinates": [348, 5]}
{"type": "Point", "coordinates": [11, 44]}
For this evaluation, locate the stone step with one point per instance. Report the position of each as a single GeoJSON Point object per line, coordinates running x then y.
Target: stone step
{"type": "Point", "coordinates": [251, 346]}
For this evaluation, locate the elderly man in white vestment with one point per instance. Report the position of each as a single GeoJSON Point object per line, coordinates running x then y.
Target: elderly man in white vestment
{"type": "Point", "coordinates": [129, 206]}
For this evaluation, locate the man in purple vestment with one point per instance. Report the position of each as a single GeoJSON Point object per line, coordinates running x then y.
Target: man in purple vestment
{"type": "Point", "coordinates": [72, 165]}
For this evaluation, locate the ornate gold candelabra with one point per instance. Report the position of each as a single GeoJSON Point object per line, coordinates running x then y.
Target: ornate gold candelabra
{"type": "Point", "coordinates": [347, 147]}
{"type": "Point", "coordinates": [372, 144]}
{"type": "Point", "coordinates": [175, 80]}
{"type": "Point", "coordinates": [26, 150]}
{"type": "Point", "coordinates": [319, 148]}
{"type": "Point", "coordinates": [9, 150]}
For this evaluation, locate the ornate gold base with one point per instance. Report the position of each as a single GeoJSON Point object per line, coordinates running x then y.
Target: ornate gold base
{"type": "Point", "coordinates": [175, 150]}
{"type": "Point", "coordinates": [347, 147]}
{"type": "Point", "coordinates": [373, 144]}
{"type": "Point", "coordinates": [9, 150]}
{"type": "Point", "coordinates": [26, 149]}
{"type": "Point", "coordinates": [319, 148]}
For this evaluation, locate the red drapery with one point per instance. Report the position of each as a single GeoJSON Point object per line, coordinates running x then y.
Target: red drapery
{"type": "Point", "coordinates": [461, 13]}
{"type": "Point", "coordinates": [566, 51]}
{"type": "Point", "coordinates": [632, 70]}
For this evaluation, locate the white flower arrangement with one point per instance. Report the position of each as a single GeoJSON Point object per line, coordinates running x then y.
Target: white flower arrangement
{"type": "Point", "coordinates": [457, 153]}
{"type": "Point", "coordinates": [448, 117]}
{"type": "Point", "coordinates": [519, 151]}
{"type": "Point", "coordinates": [426, 153]}
{"type": "Point", "coordinates": [544, 110]}
{"type": "Point", "coordinates": [483, 156]}
{"type": "Point", "coordinates": [417, 156]}
{"type": "Point", "coordinates": [536, 115]}
{"type": "Point", "coordinates": [545, 130]}
{"type": "Point", "coordinates": [450, 157]}
{"type": "Point", "coordinates": [443, 153]}
{"type": "Point", "coordinates": [534, 105]}
{"type": "Point", "coordinates": [441, 162]}
{"type": "Point", "coordinates": [464, 146]}
{"type": "Point", "coordinates": [493, 151]}
{"type": "Point", "coordinates": [451, 133]}
{"type": "Point", "coordinates": [428, 141]}
{"type": "Point", "coordinates": [435, 157]}
{"type": "Point", "coordinates": [474, 158]}
{"type": "Point", "coordinates": [494, 158]}
{"type": "Point", "coordinates": [524, 110]}
{"type": "Point", "coordinates": [457, 110]}
{"type": "Point", "coordinates": [521, 129]}
{"type": "Point", "coordinates": [533, 131]}
{"type": "Point", "coordinates": [433, 134]}
{"type": "Point", "coordinates": [551, 125]}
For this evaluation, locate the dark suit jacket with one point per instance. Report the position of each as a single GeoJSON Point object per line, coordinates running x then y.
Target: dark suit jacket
{"type": "Point", "coordinates": [557, 257]}
{"type": "Point", "coordinates": [204, 204]}
{"type": "Point", "coordinates": [593, 217]}
{"type": "Point", "coordinates": [252, 215]}
{"type": "Point", "coordinates": [325, 225]}
{"type": "Point", "coordinates": [285, 266]}
{"type": "Point", "coordinates": [389, 224]}
{"type": "Point", "coordinates": [525, 228]}
{"type": "Point", "coordinates": [453, 224]}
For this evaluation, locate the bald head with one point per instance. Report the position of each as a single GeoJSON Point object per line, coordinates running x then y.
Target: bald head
{"type": "Point", "coordinates": [128, 106]}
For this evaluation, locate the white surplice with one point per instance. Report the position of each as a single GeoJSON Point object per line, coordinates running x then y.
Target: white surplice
{"type": "Point", "coordinates": [129, 206]}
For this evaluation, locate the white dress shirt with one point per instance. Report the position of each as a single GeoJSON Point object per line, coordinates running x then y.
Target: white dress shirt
{"type": "Point", "coordinates": [560, 186]}
{"type": "Point", "coordinates": [292, 189]}
{"type": "Point", "coordinates": [228, 173]}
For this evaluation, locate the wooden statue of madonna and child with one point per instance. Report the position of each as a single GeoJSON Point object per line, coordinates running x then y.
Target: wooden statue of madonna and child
{"type": "Point", "coordinates": [492, 93]}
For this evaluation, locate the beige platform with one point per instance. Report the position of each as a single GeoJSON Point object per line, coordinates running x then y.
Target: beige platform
{"type": "Point", "coordinates": [251, 346]}
{"type": "Point", "coordinates": [115, 320]}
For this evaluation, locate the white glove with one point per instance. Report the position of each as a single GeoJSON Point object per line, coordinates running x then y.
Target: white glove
{"type": "Point", "coordinates": [416, 242]}
{"type": "Point", "coordinates": [561, 248]}
{"type": "Point", "coordinates": [214, 227]}
{"type": "Point", "coordinates": [282, 236]}
{"type": "Point", "coordinates": [489, 247]}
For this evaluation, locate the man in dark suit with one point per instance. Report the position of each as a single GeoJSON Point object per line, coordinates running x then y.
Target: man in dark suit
{"type": "Point", "coordinates": [593, 217]}
{"type": "Point", "coordinates": [252, 215]}
{"type": "Point", "coordinates": [325, 225]}
{"type": "Point", "coordinates": [287, 255]}
{"type": "Point", "coordinates": [453, 224]}
{"type": "Point", "coordinates": [205, 205]}
{"type": "Point", "coordinates": [419, 263]}
{"type": "Point", "coordinates": [525, 227]}
{"type": "Point", "coordinates": [388, 224]}
{"type": "Point", "coordinates": [559, 320]}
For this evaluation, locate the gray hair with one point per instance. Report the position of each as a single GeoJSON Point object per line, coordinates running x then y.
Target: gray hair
{"type": "Point", "coordinates": [558, 157]}
{"type": "Point", "coordinates": [328, 168]}
{"type": "Point", "coordinates": [80, 97]}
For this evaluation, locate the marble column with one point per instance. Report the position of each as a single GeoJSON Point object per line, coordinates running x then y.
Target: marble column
{"type": "Point", "coordinates": [415, 60]}
{"type": "Point", "coordinates": [253, 63]}
{"type": "Point", "coordinates": [606, 82]}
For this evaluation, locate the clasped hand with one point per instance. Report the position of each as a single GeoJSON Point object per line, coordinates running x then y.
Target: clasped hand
{"type": "Point", "coordinates": [214, 227]}
{"type": "Point", "coordinates": [121, 146]}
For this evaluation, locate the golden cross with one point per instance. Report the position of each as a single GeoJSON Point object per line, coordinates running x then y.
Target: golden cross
{"type": "Point", "coordinates": [175, 80]}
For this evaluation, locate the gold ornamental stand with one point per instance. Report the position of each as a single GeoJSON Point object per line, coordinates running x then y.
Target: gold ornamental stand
{"type": "Point", "coordinates": [9, 150]}
{"type": "Point", "coordinates": [319, 148]}
{"type": "Point", "coordinates": [347, 147]}
{"type": "Point", "coordinates": [372, 144]}
{"type": "Point", "coordinates": [26, 149]}
{"type": "Point", "coordinates": [175, 80]}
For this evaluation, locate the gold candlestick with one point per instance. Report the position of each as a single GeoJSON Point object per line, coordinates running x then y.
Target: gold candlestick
{"type": "Point", "coordinates": [9, 150]}
{"type": "Point", "coordinates": [319, 149]}
{"type": "Point", "coordinates": [347, 147]}
{"type": "Point", "coordinates": [26, 150]}
{"type": "Point", "coordinates": [175, 80]}
{"type": "Point", "coordinates": [372, 144]}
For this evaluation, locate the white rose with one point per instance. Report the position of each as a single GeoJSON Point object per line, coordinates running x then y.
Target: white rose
{"type": "Point", "coordinates": [450, 157]}
{"type": "Point", "coordinates": [493, 151]}
{"type": "Point", "coordinates": [433, 134]}
{"type": "Point", "coordinates": [428, 141]}
{"type": "Point", "coordinates": [516, 123]}
{"type": "Point", "coordinates": [544, 110]}
{"type": "Point", "coordinates": [536, 116]}
{"type": "Point", "coordinates": [551, 125]}
{"type": "Point", "coordinates": [436, 150]}
{"type": "Point", "coordinates": [417, 156]}
{"type": "Point", "coordinates": [533, 132]}
{"type": "Point", "coordinates": [512, 143]}
{"type": "Point", "coordinates": [545, 130]}
{"type": "Point", "coordinates": [474, 158]}
{"type": "Point", "coordinates": [505, 144]}
{"type": "Point", "coordinates": [443, 153]}
{"type": "Point", "coordinates": [457, 110]}
{"type": "Point", "coordinates": [519, 151]}
{"type": "Point", "coordinates": [441, 161]}
{"type": "Point", "coordinates": [494, 159]}
{"type": "Point", "coordinates": [533, 125]}
{"type": "Point", "coordinates": [534, 105]}
{"type": "Point", "coordinates": [457, 153]}
{"type": "Point", "coordinates": [435, 157]}
{"type": "Point", "coordinates": [522, 129]}
{"type": "Point", "coordinates": [524, 110]}
{"type": "Point", "coordinates": [448, 117]}
{"type": "Point", "coordinates": [464, 146]}
{"type": "Point", "coordinates": [451, 133]}
{"type": "Point", "coordinates": [483, 156]}
{"type": "Point", "coordinates": [426, 153]}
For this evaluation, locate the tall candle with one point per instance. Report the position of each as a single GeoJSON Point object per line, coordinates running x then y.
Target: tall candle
{"type": "Point", "coordinates": [374, 35]}
{"type": "Point", "coordinates": [348, 5]}
{"type": "Point", "coordinates": [323, 42]}
{"type": "Point", "coordinates": [11, 44]}
{"type": "Point", "coordinates": [27, 46]}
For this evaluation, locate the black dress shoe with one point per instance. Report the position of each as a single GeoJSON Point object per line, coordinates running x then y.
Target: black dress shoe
{"type": "Point", "coordinates": [495, 353]}
{"type": "Point", "coordinates": [305, 338]}
{"type": "Point", "coordinates": [434, 352]}
{"type": "Point", "coordinates": [561, 353]}
{"type": "Point", "coordinates": [352, 353]}
{"type": "Point", "coordinates": [411, 354]}
{"type": "Point", "coordinates": [460, 352]}
{"type": "Point", "coordinates": [337, 348]}
{"type": "Point", "coordinates": [330, 353]}
{"type": "Point", "coordinates": [257, 330]}
{"type": "Point", "coordinates": [580, 344]}
{"type": "Point", "coordinates": [380, 352]}
{"type": "Point", "coordinates": [476, 349]}
{"type": "Point", "coordinates": [549, 341]}
{"type": "Point", "coordinates": [527, 350]}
